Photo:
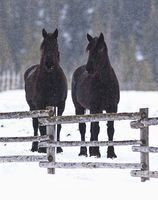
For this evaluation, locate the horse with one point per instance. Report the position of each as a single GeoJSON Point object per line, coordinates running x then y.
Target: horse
{"type": "Point", "coordinates": [95, 87]}
{"type": "Point", "coordinates": [46, 84]}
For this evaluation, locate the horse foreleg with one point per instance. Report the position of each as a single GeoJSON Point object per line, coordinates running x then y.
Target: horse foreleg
{"type": "Point", "coordinates": [60, 110]}
{"type": "Point", "coordinates": [110, 132]}
{"type": "Point", "coordinates": [42, 132]}
{"type": "Point", "coordinates": [82, 128]}
{"type": "Point", "coordinates": [94, 151]}
{"type": "Point", "coordinates": [59, 149]}
{"type": "Point", "coordinates": [35, 127]}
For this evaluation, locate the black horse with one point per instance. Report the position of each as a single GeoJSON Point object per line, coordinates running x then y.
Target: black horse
{"type": "Point", "coordinates": [95, 87]}
{"type": "Point", "coordinates": [46, 84]}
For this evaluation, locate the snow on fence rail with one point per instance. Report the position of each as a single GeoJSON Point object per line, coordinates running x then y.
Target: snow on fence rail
{"type": "Point", "coordinates": [22, 115]}
{"type": "Point", "coordinates": [91, 118]}
{"type": "Point", "coordinates": [27, 114]}
{"type": "Point", "coordinates": [48, 118]}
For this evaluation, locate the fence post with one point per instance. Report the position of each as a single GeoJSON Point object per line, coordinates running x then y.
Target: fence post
{"type": "Point", "coordinates": [144, 137]}
{"type": "Point", "coordinates": [51, 132]}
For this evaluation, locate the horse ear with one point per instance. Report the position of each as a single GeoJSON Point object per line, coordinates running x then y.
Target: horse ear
{"type": "Point", "coordinates": [101, 43]}
{"type": "Point", "coordinates": [89, 37]}
{"type": "Point", "coordinates": [44, 33]}
{"type": "Point", "coordinates": [101, 37]}
{"type": "Point", "coordinates": [55, 33]}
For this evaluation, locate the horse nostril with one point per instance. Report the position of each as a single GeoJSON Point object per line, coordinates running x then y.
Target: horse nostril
{"type": "Point", "coordinates": [49, 66]}
{"type": "Point", "coordinates": [52, 67]}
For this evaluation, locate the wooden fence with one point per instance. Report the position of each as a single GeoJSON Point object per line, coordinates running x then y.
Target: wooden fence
{"type": "Point", "coordinates": [10, 80]}
{"type": "Point", "coordinates": [22, 115]}
{"type": "Point", "coordinates": [47, 117]}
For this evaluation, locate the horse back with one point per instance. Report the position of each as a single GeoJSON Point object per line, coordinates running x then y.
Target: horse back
{"type": "Point", "coordinates": [75, 79]}
{"type": "Point", "coordinates": [29, 78]}
{"type": "Point", "coordinates": [114, 89]}
{"type": "Point", "coordinates": [30, 71]}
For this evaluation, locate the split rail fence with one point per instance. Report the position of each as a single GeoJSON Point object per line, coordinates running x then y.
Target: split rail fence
{"type": "Point", "coordinates": [50, 120]}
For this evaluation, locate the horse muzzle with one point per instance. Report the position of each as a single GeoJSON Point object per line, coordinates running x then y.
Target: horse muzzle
{"type": "Point", "coordinates": [50, 68]}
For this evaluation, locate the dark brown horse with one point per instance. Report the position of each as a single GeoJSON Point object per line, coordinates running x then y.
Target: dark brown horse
{"type": "Point", "coordinates": [46, 84]}
{"type": "Point", "coordinates": [95, 87]}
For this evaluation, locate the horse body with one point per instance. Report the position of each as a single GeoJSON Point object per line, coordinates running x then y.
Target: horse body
{"type": "Point", "coordinates": [91, 91]}
{"type": "Point", "coordinates": [95, 87]}
{"type": "Point", "coordinates": [48, 88]}
{"type": "Point", "coordinates": [46, 84]}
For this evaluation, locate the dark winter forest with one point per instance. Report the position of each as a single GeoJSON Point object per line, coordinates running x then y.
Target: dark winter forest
{"type": "Point", "coordinates": [130, 28]}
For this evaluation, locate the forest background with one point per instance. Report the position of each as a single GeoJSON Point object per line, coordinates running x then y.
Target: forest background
{"type": "Point", "coordinates": [130, 28]}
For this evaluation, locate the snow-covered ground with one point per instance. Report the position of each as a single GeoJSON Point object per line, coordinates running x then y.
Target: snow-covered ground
{"type": "Point", "coordinates": [29, 181]}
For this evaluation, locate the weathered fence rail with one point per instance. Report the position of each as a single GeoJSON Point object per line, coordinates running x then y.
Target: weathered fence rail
{"type": "Point", "coordinates": [24, 139]}
{"type": "Point", "coordinates": [91, 165]}
{"type": "Point", "coordinates": [26, 114]}
{"type": "Point", "coordinates": [146, 174]}
{"type": "Point", "coordinates": [47, 118]}
{"type": "Point", "coordinates": [22, 115]}
{"type": "Point", "coordinates": [91, 143]}
{"type": "Point", "coordinates": [22, 158]}
{"type": "Point", "coordinates": [144, 123]}
{"type": "Point", "coordinates": [145, 149]}
{"type": "Point", "coordinates": [90, 118]}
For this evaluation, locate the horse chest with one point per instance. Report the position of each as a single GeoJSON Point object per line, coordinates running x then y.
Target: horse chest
{"type": "Point", "coordinates": [46, 92]}
{"type": "Point", "coordinates": [51, 93]}
{"type": "Point", "coordinates": [91, 92]}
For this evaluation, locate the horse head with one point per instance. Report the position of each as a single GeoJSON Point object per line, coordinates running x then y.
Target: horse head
{"type": "Point", "coordinates": [49, 50]}
{"type": "Point", "coordinates": [98, 53]}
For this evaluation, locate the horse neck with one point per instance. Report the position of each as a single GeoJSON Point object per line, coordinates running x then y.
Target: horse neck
{"type": "Point", "coordinates": [104, 72]}
{"type": "Point", "coordinates": [40, 68]}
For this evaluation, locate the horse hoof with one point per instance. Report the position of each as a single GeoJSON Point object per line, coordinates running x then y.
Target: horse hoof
{"type": "Point", "coordinates": [34, 149]}
{"type": "Point", "coordinates": [34, 146]}
{"type": "Point", "coordinates": [111, 156]}
{"type": "Point", "coordinates": [42, 150]}
{"type": "Point", "coordinates": [83, 152]}
{"type": "Point", "coordinates": [111, 153]}
{"type": "Point", "coordinates": [94, 151]}
{"type": "Point", "coordinates": [96, 155]}
{"type": "Point", "coordinates": [59, 150]}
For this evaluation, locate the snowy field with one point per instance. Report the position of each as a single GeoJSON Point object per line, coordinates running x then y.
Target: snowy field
{"type": "Point", "coordinates": [22, 181]}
